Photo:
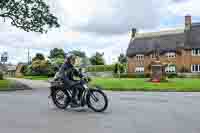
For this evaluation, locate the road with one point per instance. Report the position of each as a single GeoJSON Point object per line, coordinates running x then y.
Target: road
{"type": "Point", "coordinates": [128, 112]}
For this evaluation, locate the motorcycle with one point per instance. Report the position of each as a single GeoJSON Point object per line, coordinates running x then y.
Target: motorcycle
{"type": "Point", "coordinates": [93, 97]}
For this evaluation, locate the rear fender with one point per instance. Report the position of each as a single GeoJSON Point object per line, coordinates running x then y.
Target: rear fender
{"type": "Point", "coordinates": [54, 88]}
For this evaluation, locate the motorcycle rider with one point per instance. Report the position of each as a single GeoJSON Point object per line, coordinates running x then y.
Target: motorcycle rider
{"type": "Point", "coordinates": [67, 73]}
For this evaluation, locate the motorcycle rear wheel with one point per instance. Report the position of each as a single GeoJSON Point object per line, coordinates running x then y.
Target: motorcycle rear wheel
{"type": "Point", "coordinates": [58, 95]}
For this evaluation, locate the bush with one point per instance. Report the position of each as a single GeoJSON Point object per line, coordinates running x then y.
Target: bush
{"type": "Point", "coordinates": [1, 75]}
{"type": "Point", "coordinates": [132, 75]}
{"type": "Point", "coordinates": [100, 68]}
{"type": "Point", "coordinates": [181, 76]}
{"type": "Point", "coordinates": [172, 75]}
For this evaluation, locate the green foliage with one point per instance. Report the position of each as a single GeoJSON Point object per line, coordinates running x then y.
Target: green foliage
{"type": "Point", "coordinates": [172, 75]}
{"type": "Point", "coordinates": [6, 85]}
{"type": "Point", "coordinates": [1, 75]}
{"type": "Point", "coordinates": [78, 53]}
{"type": "Point", "coordinates": [100, 68]}
{"type": "Point", "coordinates": [39, 67]}
{"type": "Point", "coordinates": [97, 59]}
{"type": "Point", "coordinates": [132, 75]}
{"type": "Point", "coordinates": [57, 53]}
{"type": "Point", "coordinates": [38, 56]}
{"type": "Point", "coordinates": [57, 62]}
{"type": "Point", "coordinates": [142, 84]}
{"type": "Point", "coordinates": [104, 68]}
{"type": "Point", "coordinates": [29, 15]}
{"type": "Point", "coordinates": [122, 59]}
{"type": "Point", "coordinates": [119, 68]}
{"type": "Point", "coordinates": [24, 69]}
{"type": "Point", "coordinates": [85, 62]}
{"type": "Point", "coordinates": [116, 68]}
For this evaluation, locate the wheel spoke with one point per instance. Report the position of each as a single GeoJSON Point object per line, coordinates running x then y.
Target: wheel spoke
{"type": "Point", "coordinates": [97, 100]}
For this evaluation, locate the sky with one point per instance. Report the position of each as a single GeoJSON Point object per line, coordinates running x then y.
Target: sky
{"type": "Point", "coordinates": [96, 25]}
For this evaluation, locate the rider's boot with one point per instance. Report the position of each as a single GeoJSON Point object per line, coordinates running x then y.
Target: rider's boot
{"type": "Point", "coordinates": [75, 103]}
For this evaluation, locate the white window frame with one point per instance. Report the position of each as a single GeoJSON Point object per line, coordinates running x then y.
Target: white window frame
{"type": "Point", "coordinates": [139, 69]}
{"type": "Point", "coordinates": [139, 57]}
{"type": "Point", "coordinates": [194, 66]}
{"type": "Point", "coordinates": [171, 54]}
{"type": "Point", "coordinates": [195, 52]}
{"type": "Point", "coordinates": [170, 69]}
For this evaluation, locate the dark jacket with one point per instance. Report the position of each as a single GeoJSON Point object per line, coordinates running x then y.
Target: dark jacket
{"type": "Point", "coordinates": [68, 71]}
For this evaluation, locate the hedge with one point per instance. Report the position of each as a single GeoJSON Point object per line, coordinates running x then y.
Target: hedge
{"type": "Point", "coordinates": [132, 75]}
{"type": "Point", "coordinates": [101, 68]}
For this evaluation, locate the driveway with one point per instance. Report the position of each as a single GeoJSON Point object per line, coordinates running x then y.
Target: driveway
{"type": "Point", "coordinates": [129, 112]}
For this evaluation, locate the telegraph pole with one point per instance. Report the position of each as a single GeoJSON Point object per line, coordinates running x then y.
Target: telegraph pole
{"type": "Point", "coordinates": [28, 57]}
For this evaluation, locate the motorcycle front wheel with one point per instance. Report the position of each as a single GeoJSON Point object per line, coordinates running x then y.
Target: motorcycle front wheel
{"type": "Point", "coordinates": [97, 100]}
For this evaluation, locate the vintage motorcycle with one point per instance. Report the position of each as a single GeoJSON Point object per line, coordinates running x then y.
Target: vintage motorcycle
{"type": "Point", "coordinates": [93, 97]}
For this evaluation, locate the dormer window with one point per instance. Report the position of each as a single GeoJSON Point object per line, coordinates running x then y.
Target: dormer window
{"type": "Point", "coordinates": [196, 52]}
{"type": "Point", "coordinates": [171, 54]}
{"type": "Point", "coordinates": [140, 57]}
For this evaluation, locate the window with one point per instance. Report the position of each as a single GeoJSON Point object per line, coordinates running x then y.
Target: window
{"type": "Point", "coordinates": [170, 69]}
{"type": "Point", "coordinates": [140, 57]}
{"type": "Point", "coordinates": [139, 69]}
{"type": "Point", "coordinates": [171, 54]}
{"type": "Point", "coordinates": [195, 68]}
{"type": "Point", "coordinates": [196, 52]}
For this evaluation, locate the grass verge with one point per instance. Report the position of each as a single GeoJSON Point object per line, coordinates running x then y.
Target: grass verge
{"type": "Point", "coordinates": [141, 84]}
{"type": "Point", "coordinates": [36, 77]}
{"type": "Point", "coordinates": [6, 85]}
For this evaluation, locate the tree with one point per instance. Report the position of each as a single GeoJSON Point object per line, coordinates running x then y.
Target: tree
{"type": "Point", "coordinates": [97, 59]}
{"type": "Point", "coordinates": [119, 68]}
{"type": "Point", "coordinates": [85, 62]}
{"type": "Point", "coordinates": [122, 59]}
{"type": "Point", "coordinates": [57, 53]}
{"type": "Point", "coordinates": [29, 15]}
{"type": "Point", "coordinates": [56, 63]}
{"type": "Point", "coordinates": [39, 56]}
{"type": "Point", "coordinates": [78, 53]}
{"type": "Point", "coordinates": [40, 67]}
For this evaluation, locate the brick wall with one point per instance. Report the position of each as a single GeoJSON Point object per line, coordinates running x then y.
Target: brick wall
{"type": "Point", "coordinates": [183, 59]}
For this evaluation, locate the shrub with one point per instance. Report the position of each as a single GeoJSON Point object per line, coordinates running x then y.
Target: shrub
{"type": "Point", "coordinates": [172, 75]}
{"type": "Point", "coordinates": [132, 75]}
{"type": "Point", "coordinates": [116, 68]}
{"type": "Point", "coordinates": [122, 68]}
{"type": "Point", "coordinates": [1, 75]}
{"type": "Point", "coordinates": [181, 76]}
{"type": "Point", "coordinates": [100, 68]}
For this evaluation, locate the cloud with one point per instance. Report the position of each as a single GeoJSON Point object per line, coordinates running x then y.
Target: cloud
{"type": "Point", "coordinates": [179, 1]}
{"type": "Point", "coordinates": [186, 7]}
{"type": "Point", "coordinates": [93, 25]}
{"type": "Point", "coordinates": [118, 17]}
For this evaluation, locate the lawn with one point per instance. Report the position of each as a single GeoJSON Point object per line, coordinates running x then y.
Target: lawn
{"type": "Point", "coordinates": [36, 77]}
{"type": "Point", "coordinates": [141, 84]}
{"type": "Point", "coordinates": [5, 85]}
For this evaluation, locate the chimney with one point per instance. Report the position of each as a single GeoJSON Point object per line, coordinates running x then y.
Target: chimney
{"type": "Point", "coordinates": [134, 30]}
{"type": "Point", "coordinates": [188, 22]}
